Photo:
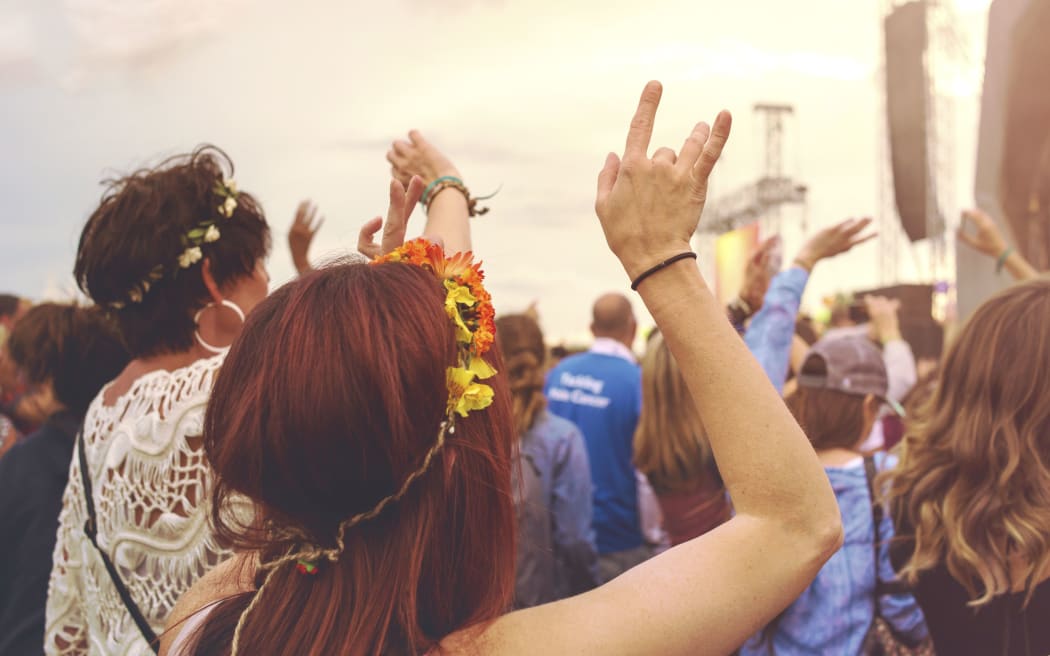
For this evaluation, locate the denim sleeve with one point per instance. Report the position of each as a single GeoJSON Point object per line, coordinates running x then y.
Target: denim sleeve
{"type": "Point", "coordinates": [771, 331]}
{"type": "Point", "coordinates": [571, 509]}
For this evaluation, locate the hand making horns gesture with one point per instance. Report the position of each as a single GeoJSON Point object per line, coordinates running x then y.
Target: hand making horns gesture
{"type": "Point", "coordinates": [649, 207]}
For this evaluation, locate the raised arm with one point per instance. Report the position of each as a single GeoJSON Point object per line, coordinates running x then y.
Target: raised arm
{"type": "Point", "coordinates": [448, 216]}
{"type": "Point", "coordinates": [709, 595]}
{"type": "Point", "coordinates": [304, 228]}
{"type": "Point", "coordinates": [989, 240]}
{"type": "Point", "coordinates": [770, 335]}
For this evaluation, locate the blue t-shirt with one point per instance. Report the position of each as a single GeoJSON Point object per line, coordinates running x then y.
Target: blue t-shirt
{"type": "Point", "coordinates": [602, 395]}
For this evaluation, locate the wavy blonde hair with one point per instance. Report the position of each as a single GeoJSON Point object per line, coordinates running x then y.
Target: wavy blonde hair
{"type": "Point", "coordinates": [521, 341]}
{"type": "Point", "coordinates": [670, 443]}
{"type": "Point", "coordinates": [974, 475]}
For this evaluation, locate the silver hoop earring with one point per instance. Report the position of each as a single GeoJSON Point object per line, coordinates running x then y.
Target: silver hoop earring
{"type": "Point", "coordinates": [226, 303]}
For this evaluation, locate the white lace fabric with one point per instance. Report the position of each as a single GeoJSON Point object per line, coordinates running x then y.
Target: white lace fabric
{"type": "Point", "coordinates": [150, 483]}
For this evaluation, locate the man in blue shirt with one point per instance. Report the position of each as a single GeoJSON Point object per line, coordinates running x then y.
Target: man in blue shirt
{"type": "Point", "coordinates": [601, 391]}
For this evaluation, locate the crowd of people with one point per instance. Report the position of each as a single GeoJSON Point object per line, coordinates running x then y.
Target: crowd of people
{"type": "Point", "coordinates": [369, 461]}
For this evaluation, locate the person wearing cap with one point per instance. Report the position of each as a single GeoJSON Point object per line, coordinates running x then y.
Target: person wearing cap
{"type": "Point", "coordinates": [842, 386]}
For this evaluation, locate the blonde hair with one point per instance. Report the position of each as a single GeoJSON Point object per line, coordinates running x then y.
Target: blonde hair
{"type": "Point", "coordinates": [974, 475]}
{"type": "Point", "coordinates": [670, 443]}
{"type": "Point", "coordinates": [521, 341]}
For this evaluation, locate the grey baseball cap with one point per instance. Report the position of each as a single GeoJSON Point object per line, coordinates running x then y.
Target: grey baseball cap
{"type": "Point", "coordinates": [850, 364]}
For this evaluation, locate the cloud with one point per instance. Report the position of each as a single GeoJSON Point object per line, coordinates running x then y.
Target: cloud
{"type": "Point", "coordinates": [131, 33]}
{"type": "Point", "coordinates": [18, 46]}
{"type": "Point", "coordinates": [738, 59]}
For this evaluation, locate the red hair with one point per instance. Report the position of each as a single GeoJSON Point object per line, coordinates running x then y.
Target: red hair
{"type": "Point", "coordinates": [328, 401]}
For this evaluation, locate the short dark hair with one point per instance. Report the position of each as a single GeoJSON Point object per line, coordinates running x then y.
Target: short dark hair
{"type": "Point", "coordinates": [78, 349]}
{"type": "Point", "coordinates": [9, 305]}
{"type": "Point", "coordinates": [141, 224]}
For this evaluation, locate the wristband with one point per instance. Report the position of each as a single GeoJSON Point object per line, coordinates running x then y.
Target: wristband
{"type": "Point", "coordinates": [662, 265]}
{"type": "Point", "coordinates": [430, 187]}
{"type": "Point", "coordinates": [1002, 259]}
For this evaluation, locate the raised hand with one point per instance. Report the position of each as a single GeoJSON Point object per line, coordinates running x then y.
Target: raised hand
{"type": "Point", "coordinates": [649, 207]}
{"type": "Point", "coordinates": [301, 235]}
{"type": "Point", "coordinates": [883, 315]}
{"type": "Point", "coordinates": [417, 156]}
{"type": "Point", "coordinates": [987, 238]}
{"type": "Point", "coordinates": [759, 274]}
{"type": "Point", "coordinates": [833, 241]}
{"type": "Point", "coordinates": [402, 202]}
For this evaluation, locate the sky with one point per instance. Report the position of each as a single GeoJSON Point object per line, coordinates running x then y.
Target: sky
{"type": "Point", "coordinates": [523, 95]}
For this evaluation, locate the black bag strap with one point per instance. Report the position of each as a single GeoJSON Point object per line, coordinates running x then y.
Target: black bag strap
{"type": "Point", "coordinates": [90, 529]}
{"type": "Point", "coordinates": [881, 587]}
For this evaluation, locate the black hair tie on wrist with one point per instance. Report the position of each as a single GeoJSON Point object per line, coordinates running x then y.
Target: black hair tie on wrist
{"type": "Point", "coordinates": [663, 265]}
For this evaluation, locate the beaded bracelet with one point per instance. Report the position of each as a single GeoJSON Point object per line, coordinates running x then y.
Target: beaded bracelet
{"type": "Point", "coordinates": [423, 200]}
{"type": "Point", "coordinates": [450, 182]}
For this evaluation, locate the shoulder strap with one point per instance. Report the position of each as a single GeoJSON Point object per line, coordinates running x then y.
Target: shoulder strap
{"type": "Point", "coordinates": [876, 518]}
{"type": "Point", "coordinates": [90, 529]}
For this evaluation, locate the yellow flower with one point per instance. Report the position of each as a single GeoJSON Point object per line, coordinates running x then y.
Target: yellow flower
{"type": "Point", "coordinates": [458, 295]}
{"type": "Point", "coordinates": [481, 369]}
{"type": "Point", "coordinates": [465, 395]}
{"type": "Point", "coordinates": [212, 234]}
{"type": "Point", "coordinates": [476, 397]}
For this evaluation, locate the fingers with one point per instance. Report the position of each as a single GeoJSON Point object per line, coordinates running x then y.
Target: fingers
{"type": "Point", "coordinates": [967, 238]}
{"type": "Point", "coordinates": [401, 206]}
{"type": "Point", "coordinates": [857, 241]}
{"type": "Point", "coordinates": [416, 186]}
{"type": "Point", "coordinates": [665, 155]}
{"type": "Point", "coordinates": [607, 176]}
{"type": "Point", "coordinates": [641, 130]}
{"type": "Point", "coordinates": [694, 145]}
{"type": "Point", "coordinates": [365, 240]}
{"type": "Point", "coordinates": [714, 145]}
{"type": "Point", "coordinates": [853, 226]}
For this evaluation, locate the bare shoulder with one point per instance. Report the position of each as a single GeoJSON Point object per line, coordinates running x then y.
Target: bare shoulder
{"type": "Point", "coordinates": [233, 576]}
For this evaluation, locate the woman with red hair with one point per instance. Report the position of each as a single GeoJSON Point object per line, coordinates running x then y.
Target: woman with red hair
{"type": "Point", "coordinates": [360, 412]}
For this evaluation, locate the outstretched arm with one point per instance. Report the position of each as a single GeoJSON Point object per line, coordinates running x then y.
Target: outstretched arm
{"type": "Point", "coordinates": [301, 235]}
{"type": "Point", "coordinates": [448, 216]}
{"type": "Point", "coordinates": [770, 335]}
{"type": "Point", "coordinates": [989, 240]}
{"type": "Point", "coordinates": [709, 595]}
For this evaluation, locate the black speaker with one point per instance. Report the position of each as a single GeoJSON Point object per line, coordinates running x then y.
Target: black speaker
{"type": "Point", "coordinates": [1024, 183]}
{"type": "Point", "coordinates": [918, 327]}
{"type": "Point", "coordinates": [906, 112]}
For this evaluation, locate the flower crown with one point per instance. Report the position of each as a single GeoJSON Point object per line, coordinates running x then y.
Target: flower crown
{"type": "Point", "coordinates": [469, 307]}
{"type": "Point", "coordinates": [205, 232]}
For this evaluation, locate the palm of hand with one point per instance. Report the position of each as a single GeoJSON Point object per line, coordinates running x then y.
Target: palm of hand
{"type": "Point", "coordinates": [418, 157]}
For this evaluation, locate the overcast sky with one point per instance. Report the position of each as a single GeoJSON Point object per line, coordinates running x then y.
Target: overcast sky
{"type": "Point", "coordinates": [529, 95]}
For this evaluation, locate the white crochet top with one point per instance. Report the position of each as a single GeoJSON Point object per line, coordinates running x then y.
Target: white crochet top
{"type": "Point", "coordinates": [149, 479]}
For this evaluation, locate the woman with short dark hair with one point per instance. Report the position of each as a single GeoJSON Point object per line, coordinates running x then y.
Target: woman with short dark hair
{"type": "Point", "coordinates": [65, 354]}
{"type": "Point", "coordinates": [176, 256]}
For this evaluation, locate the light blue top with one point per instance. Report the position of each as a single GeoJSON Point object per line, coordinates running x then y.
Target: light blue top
{"type": "Point", "coordinates": [772, 329]}
{"type": "Point", "coordinates": [834, 613]}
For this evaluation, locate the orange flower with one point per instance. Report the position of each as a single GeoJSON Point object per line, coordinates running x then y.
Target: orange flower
{"type": "Point", "coordinates": [469, 305]}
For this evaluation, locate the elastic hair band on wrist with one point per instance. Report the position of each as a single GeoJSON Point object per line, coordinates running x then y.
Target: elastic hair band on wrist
{"type": "Point", "coordinates": [430, 187]}
{"type": "Point", "coordinates": [662, 265]}
{"type": "Point", "coordinates": [1002, 259]}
